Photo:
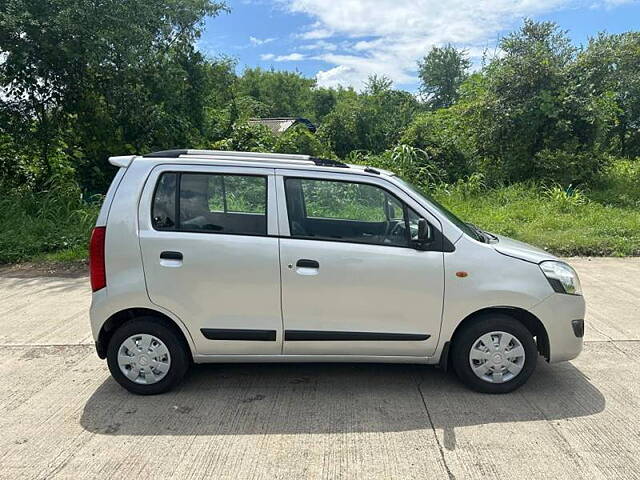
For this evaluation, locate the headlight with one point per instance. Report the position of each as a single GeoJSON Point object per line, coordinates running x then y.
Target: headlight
{"type": "Point", "coordinates": [562, 277]}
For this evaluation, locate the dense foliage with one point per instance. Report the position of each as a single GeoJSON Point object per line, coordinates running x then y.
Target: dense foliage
{"type": "Point", "coordinates": [79, 81]}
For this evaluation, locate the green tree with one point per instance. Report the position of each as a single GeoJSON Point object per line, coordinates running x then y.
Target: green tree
{"type": "Point", "coordinates": [443, 138]}
{"type": "Point", "coordinates": [441, 72]}
{"type": "Point", "coordinates": [248, 138]}
{"type": "Point", "coordinates": [323, 101]}
{"type": "Point", "coordinates": [607, 78]}
{"type": "Point", "coordinates": [299, 140]}
{"type": "Point", "coordinates": [372, 121]}
{"type": "Point", "coordinates": [527, 120]}
{"type": "Point", "coordinates": [284, 94]}
{"type": "Point", "coordinates": [83, 76]}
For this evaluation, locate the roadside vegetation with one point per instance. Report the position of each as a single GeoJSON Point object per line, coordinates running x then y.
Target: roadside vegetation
{"type": "Point", "coordinates": [542, 143]}
{"type": "Point", "coordinates": [603, 220]}
{"type": "Point", "coordinates": [52, 224]}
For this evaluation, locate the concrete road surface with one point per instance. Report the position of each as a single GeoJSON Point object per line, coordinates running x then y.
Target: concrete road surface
{"type": "Point", "coordinates": [62, 416]}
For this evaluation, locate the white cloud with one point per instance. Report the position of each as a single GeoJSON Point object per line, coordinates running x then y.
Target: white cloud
{"type": "Point", "coordinates": [314, 31]}
{"type": "Point", "coordinates": [320, 45]}
{"type": "Point", "coordinates": [610, 4]}
{"type": "Point", "coordinates": [335, 77]}
{"type": "Point", "coordinates": [292, 57]}
{"type": "Point", "coordinates": [388, 36]}
{"type": "Point", "coordinates": [256, 42]}
{"type": "Point", "coordinates": [316, 34]}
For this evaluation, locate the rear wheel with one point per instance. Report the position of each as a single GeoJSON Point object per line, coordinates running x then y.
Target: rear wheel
{"type": "Point", "coordinates": [146, 357]}
{"type": "Point", "coordinates": [494, 354]}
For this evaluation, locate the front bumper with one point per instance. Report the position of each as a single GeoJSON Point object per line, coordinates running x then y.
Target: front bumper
{"type": "Point", "coordinates": [560, 314]}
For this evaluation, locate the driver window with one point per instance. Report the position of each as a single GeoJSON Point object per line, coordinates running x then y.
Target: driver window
{"type": "Point", "coordinates": [345, 211]}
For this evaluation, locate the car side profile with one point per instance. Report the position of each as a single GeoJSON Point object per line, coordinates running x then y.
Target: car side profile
{"type": "Point", "coordinates": [203, 256]}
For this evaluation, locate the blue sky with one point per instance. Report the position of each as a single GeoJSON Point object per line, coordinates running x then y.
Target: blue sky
{"type": "Point", "coordinates": [344, 41]}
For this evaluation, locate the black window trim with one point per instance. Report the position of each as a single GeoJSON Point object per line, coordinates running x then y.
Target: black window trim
{"type": "Point", "coordinates": [176, 227]}
{"type": "Point", "coordinates": [440, 243]}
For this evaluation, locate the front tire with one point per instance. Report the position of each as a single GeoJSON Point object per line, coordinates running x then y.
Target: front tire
{"type": "Point", "coordinates": [146, 357]}
{"type": "Point", "coordinates": [494, 353]}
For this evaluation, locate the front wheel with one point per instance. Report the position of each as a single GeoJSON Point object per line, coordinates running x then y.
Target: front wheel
{"type": "Point", "coordinates": [494, 354]}
{"type": "Point", "coordinates": [146, 357]}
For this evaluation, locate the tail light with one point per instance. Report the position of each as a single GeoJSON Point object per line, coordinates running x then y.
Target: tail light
{"type": "Point", "coordinates": [96, 259]}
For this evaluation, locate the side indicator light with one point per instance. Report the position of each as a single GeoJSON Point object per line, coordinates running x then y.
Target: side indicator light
{"type": "Point", "coordinates": [462, 274]}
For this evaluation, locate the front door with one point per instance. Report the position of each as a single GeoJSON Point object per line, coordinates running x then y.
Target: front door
{"type": "Point", "coordinates": [208, 257]}
{"type": "Point", "coordinates": [352, 281]}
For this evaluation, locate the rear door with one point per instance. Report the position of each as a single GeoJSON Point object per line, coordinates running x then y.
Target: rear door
{"type": "Point", "coordinates": [352, 282]}
{"type": "Point", "coordinates": [208, 237]}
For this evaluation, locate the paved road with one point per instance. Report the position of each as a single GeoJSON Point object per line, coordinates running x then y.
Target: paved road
{"type": "Point", "coordinates": [61, 415]}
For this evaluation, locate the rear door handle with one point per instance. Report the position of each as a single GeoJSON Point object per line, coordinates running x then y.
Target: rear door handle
{"type": "Point", "coordinates": [304, 263]}
{"type": "Point", "coordinates": [171, 256]}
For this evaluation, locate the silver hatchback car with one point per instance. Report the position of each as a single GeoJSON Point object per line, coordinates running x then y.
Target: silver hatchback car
{"type": "Point", "coordinates": [211, 256]}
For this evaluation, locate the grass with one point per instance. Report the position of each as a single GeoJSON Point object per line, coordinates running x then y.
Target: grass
{"type": "Point", "coordinates": [544, 218]}
{"type": "Point", "coordinates": [53, 225]}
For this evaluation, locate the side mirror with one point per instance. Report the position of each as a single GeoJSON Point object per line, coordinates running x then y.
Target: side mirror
{"type": "Point", "coordinates": [424, 232]}
{"type": "Point", "coordinates": [425, 235]}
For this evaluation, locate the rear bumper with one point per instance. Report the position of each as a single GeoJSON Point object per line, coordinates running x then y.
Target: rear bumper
{"type": "Point", "coordinates": [563, 319]}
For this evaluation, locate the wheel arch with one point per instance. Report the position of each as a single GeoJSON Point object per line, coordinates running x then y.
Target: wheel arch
{"type": "Point", "coordinates": [526, 318]}
{"type": "Point", "coordinates": [118, 319]}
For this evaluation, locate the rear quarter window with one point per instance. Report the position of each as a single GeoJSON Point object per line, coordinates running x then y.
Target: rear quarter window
{"type": "Point", "coordinates": [163, 212]}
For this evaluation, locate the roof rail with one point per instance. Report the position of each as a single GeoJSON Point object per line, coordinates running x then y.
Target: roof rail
{"type": "Point", "coordinates": [327, 162]}
{"type": "Point", "coordinates": [179, 153]}
{"type": "Point", "coordinates": [247, 156]}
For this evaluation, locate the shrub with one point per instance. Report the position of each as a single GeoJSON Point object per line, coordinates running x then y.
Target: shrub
{"type": "Point", "coordinates": [410, 163]}
{"type": "Point", "coordinates": [470, 186]}
{"type": "Point", "coordinates": [568, 167]}
{"type": "Point", "coordinates": [565, 199]}
{"type": "Point", "coordinates": [299, 140]}
{"type": "Point", "coordinates": [248, 138]}
{"type": "Point", "coordinates": [54, 220]}
{"type": "Point", "coordinates": [438, 135]}
{"type": "Point", "coordinates": [619, 184]}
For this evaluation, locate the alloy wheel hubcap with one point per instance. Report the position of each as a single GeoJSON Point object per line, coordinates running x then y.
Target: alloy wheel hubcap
{"type": "Point", "coordinates": [144, 359]}
{"type": "Point", "coordinates": [497, 357]}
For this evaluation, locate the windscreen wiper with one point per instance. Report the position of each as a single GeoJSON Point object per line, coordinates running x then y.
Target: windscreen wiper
{"type": "Point", "coordinates": [482, 235]}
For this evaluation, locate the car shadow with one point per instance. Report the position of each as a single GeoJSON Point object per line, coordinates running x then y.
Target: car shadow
{"type": "Point", "coordinates": [248, 399]}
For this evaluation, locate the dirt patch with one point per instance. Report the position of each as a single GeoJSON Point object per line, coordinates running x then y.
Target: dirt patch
{"type": "Point", "coordinates": [41, 351]}
{"type": "Point", "coordinates": [46, 269]}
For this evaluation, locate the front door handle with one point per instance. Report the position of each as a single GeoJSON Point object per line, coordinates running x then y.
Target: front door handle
{"type": "Point", "coordinates": [171, 256]}
{"type": "Point", "coordinates": [305, 263]}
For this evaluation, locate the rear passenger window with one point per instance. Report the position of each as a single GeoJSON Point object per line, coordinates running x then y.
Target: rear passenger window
{"type": "Point", "coordinates": [215, 203]}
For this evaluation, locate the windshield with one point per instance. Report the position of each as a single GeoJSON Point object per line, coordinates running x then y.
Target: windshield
{"type": "Point", "coordinates": [465, 227]}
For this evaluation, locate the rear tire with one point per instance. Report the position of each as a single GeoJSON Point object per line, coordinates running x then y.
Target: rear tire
{"type": "Point", "coordinates": [494, 353]}
{"type": "Point", "coordinates": [146, 357]}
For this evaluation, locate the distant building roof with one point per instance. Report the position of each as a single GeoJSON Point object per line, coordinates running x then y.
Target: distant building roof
{"type": "Point", "coordinates": [281, 124]}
